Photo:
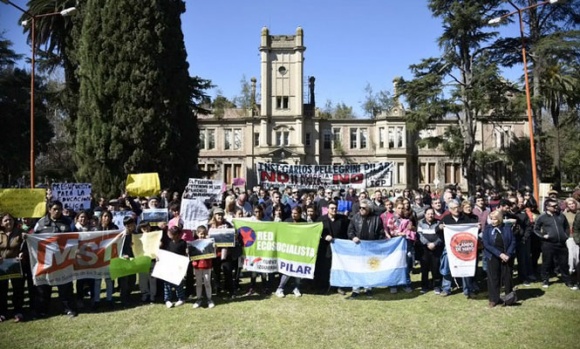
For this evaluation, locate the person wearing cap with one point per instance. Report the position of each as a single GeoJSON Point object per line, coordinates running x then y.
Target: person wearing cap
{"type": "Point", "coordinates": [225, 261]}
{"type": "Point", "coordinates": [552, 228]}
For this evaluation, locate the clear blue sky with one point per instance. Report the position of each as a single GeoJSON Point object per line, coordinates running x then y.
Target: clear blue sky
{"type": "Point", "coordinates": [348, 43]}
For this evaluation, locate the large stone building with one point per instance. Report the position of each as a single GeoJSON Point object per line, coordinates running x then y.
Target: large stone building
{"type": "Point", "coordinates": [286, 127]}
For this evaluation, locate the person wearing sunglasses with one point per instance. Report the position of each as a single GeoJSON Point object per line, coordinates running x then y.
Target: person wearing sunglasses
{"type": "Point", "coordinates": [364, 225]}
{"type": "Point", "coordinates": [553, 230]}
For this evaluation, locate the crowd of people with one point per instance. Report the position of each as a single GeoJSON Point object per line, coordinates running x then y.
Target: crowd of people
{"type": "Point", "coordinates": [511, 227]}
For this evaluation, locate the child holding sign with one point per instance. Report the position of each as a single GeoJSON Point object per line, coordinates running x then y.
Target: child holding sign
{"type": "Point", "coordinates": [202, 272]}
{"type": "Point", "coordinates": [178, 246]}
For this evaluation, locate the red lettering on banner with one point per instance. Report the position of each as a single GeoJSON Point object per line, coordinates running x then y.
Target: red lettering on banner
{"type": "Point", "coordinates": [356, 178]}
{"type": "Point", "coordinates": [64, 250]}
{"type": "Point", "coordinates": [277, 177]}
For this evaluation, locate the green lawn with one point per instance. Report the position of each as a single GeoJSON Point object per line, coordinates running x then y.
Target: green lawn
{"type": "Point", "coordinates": [545, 318]}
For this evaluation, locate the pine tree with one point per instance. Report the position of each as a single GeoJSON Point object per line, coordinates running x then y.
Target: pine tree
{"type": "Point", "coordinates": [136, 107]}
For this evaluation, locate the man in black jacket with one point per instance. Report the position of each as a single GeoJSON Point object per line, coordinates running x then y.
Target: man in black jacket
{"type": "Point", "coordinates": [365, 225]}
{"type": "Point", "coordinates": [553, 229]}
{"type": "Point", "coordinates": [334, 226]}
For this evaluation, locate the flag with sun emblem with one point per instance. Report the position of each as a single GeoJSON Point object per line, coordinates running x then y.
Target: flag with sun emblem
{"type": "Point", "coordinates": [379, 263]}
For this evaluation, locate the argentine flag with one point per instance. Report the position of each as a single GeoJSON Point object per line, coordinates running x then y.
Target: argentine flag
{"type": "Point", "coordinates": [369, 263]}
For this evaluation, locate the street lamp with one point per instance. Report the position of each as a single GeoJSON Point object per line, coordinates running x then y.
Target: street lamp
{"type": "Point", "coordinates": [527, 83]}
{"type": "Point", "coordinates": [32, 21]}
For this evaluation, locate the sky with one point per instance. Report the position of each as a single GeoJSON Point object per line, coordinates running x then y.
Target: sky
{"type": "Point", "coordinates": [349, 44]}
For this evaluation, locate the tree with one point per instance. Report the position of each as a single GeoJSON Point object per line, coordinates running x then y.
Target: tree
{"type": "Point", "coordinates": [220, 104]}
{"type": "Point", "coordinates": [14, 116]}
{"type": "Point", "coordinates": [552, 42]}
{"type": "Point", "coordinates": [375, 103]}
{"type": "Point", "coordinates": [463, 83]}
{"type": "Point", "coordinates": [340, 111]}
{"type": "Point", "coordinates": [136, 97]}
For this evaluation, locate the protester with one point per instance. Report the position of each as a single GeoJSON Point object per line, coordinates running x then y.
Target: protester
{"type": "Point", "coordinates": [552, 228]}
{"type": "Point", "coordinates": [83, 286]}
{"type": "Point", "coordinates": [106, 223]}
{"type": "Point", "coordinates": [147, 283]}
{"type": "Point", "coordinates": [178, 246]}
{"type": "Point", "coordinates": [499, 249]}
{"type": "Point", "coordinates": [365, 225]}
{"type": "Point", "coordinates": [11, 241]}
{"type": "Point", "coordinates": [202, 270]}
{"type": "Point", "coordinates": [431, 238]}
{"type": "Point", "coordinates": [54, 223]}
{"type": "Point", "coordinates": [126, 283]}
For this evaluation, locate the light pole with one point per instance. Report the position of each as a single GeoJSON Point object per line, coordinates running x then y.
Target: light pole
{"type": "Point", "coordinates": [527, 84]}
{"type": "Point", "coordinates": [66, 12]}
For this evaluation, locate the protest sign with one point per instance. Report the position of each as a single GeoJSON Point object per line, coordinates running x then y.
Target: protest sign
{"type": "Point", "coordinates": [10, 269]}
{"type": "Point", "coordinates": [118, 217]}
{"type": "Point", "coordinates": [74, 196]}
{"type": "Point", "coordinates": [239, 182]}
{"type": "Point", "coordinates": [357, 176]}
{"type": "Point", "coordinates": [223, 237]}
{"type": "Point", "coordinates": [207, 191]}
{"type": "Point", "coordinates": [143, 184]}
{"type": "Point", "coordinates": [289, 249]}
{"type": "Point", "coordinates": [23, 203]}
{"type": "Point", "coordinates": [154, 216]}
{"type": "Point", "coordinates": [170, 267]}
{"type": "Point", "coordinates": [194, 213]}
{"type": "Point", "coordinates": [201, 249]}
{"type": "Point", "coordinates": [129, 266]}
{"type": "Point", "coordinates": [146, 244]}
{"type": "Point", "coordinates": [380, 263]}
{"type": "Point", "coordinates": [461, 245]}
{"type": "Point", "coordinates": [57, 259]}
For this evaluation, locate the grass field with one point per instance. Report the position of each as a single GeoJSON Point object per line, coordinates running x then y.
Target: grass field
{"type": "Point", "coordinates": [544, 318]}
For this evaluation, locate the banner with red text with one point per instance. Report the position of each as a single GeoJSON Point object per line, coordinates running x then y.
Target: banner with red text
{"type": "Point", "coordinates": [461, 245]}
{"type": "Point", "coordinates": [358, 176]}
{"type": "Point", "coordinates": [56, 259]}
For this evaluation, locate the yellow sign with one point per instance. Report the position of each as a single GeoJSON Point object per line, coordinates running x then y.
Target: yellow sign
{"type": "Point", "coordinates": [147, 244]}
{"type": "Point", "coordinates": [143, 184]}
{"type": "Point", "coordinates": [23, 203]}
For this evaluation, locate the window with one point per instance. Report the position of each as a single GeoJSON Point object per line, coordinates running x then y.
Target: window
{"type": "Point", "coordinates": [399, 137]}
{"type": "Point", "coordinates": [502, 137]}
{"type": "Point", "coordinates": [363, 138]}
{"type": "Point", "coordinates": [427, 172]}
{"type": "Point", "coordinates": [381, 137]}
{"type": "Point", "coordinates": [232, 139]}
{"type": "Point", "coordinates": [227, 138]}
{"type": "Point", "coordinates": [308, 140]}
{"type": "Point", "coordinates": [391, 137]}
{"type": "Point", "coordinates": [432, 173]}
{"type": "Point", "coordinates": [237, 170]}
{"type": "Point", "coordinates": [210, 139]}
{"type": "Point", "coordinates": [202, 139]}
{"type": "Point", "coordinates": [282, 138]}
{"type": "Point", "coordinates": [327, 139]}
{"type": "Point", "coordinates": [353, 138]}
{"type": "Point", "coordinates": [237, 138]}
{"type": "Point", "coordinates": [336, 137]}
{"type": "Point", "coordinates": [401, 174]}
{"type": "Point", "coordinates": [228, 173]}
{"type": "Point", "coordinates": [282, 102]}
{"type": "Point", "coordinates": [211, 171]}
{"type": "Point", "coordinates": [453, 173]}
{"type": "Point", "coordinates": [256, 139]}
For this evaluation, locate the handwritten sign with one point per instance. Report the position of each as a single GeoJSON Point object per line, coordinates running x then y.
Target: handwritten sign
{"type": "Point", "coordinates": [74, 196]}
{"type": "Point", "coordinates": [23, 203]}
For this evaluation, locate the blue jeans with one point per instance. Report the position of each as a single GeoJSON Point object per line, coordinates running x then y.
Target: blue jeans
{"type": "Point", "coordinates": [446, 283]}
{"type": "Point", "coordinates": [179, 289]}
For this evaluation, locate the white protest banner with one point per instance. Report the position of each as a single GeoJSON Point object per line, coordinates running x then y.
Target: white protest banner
{"type": "Point", "coordinates": [461, 245]}
{"type": "Point", "coordinates": [357, 176]}
{"type": "Point", "coordinates": [57, 259]}
{"type": "Point", "coordinates": [74, 196]}
{"type": "Point", "coordinates": [199, 194]}
{"type": "Point", "coordinates": [170, 267]}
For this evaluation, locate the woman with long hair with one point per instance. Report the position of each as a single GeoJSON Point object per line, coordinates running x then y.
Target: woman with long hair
{"type": "Point", "coordinates": [10, 251]}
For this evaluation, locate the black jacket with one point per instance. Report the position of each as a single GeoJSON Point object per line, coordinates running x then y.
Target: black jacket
{"type": "Point", "coordinates": [555, 226]}
{"type": "Point", "coordinates": [375, 231]}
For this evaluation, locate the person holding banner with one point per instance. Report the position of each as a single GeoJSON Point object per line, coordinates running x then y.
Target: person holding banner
{"type": "Point", "coordinates": [295, 218]}
{"type": "Point", "coordinates": [10, 253]}
{"type": "Point", "coordinates": [178, 246]}
{"type": "Point", "coordinates": [53, 223]}
{"type": "Point", "coordinates": [202, 270]}
{"type": "Point", "coordinates": [105, 223]}
{"type": "Point", "coordinates": [499, 248]}
{"type": "Point", "coordinates": [225, 260]}
{"type": "Point", "coordinates": [402, 223]}
{"type": "Point", "coordinates": [431, 237]}
{"type": "Point", "coordinates": [83, 224]}
{"type": "Point", "coordinates": [365, 225]}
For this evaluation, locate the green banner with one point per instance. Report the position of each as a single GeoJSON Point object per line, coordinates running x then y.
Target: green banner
{"type": "Point", "coordinates": [287, 248]}
{"type": "Point", "coordinates": [120, 267]}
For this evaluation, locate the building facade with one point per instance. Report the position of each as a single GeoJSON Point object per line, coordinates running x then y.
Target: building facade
{"type": "Point", "coordinates": [286, 127]}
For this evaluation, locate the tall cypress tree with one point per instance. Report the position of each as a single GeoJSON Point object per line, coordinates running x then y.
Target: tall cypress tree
{"type": "Point", "coordinates": [135, 108]}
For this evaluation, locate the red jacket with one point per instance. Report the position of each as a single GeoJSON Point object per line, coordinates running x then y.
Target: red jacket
{"type": "Point", "coordinates": [203, 264]}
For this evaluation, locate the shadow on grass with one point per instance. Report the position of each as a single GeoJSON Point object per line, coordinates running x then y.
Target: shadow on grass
{"type": "Point", "coordinates": [527, 293]}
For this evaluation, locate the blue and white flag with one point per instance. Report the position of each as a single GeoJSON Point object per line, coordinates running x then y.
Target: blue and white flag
{"type": "Point", "coordinates": [369, 263]}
